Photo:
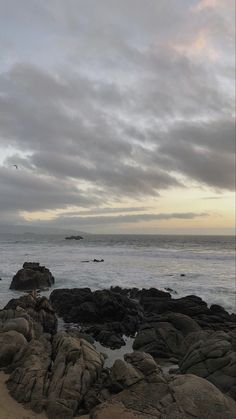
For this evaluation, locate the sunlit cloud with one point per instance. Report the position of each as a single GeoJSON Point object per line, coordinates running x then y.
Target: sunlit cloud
{"type": "Point", "coordinates": [205, 4]}
{"type": "Point", "coordinates": [198, 47]}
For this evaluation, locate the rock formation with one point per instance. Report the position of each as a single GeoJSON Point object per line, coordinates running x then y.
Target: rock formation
{"type": "Point", "coordinates": [145, 393]}
{"type": "Point", "coordinates": [62, 373]}
{"type": "Point", "coordinates": [31, 277]}
{"type": "Point", "coordinates": [212, 355]}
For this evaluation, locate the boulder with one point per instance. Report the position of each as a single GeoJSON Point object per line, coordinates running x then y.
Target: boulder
{"type": "Point", "coordinates": [212, 355]}
{"type": "Point", "coordinates": [29, 380]}
{"type": "Point", "coordinates": [38, 308]}
{"type": "Point", "coordinates": [77, 365]}
{"type": "Point", "coordinates": [163, 336]}
{"type": "Point", "coordinates": [19, 320]}
{"type": "Point", "coordinates": [110, 339]}
{"type": "Point", "coordinates": [215, 317]}
{"type": "Point", "coordinates": [125, 374]}
{"type": "Point", "coordinates": [10, 344]}
{"type": "Point", "coordinates": [31, 277]}
{"type": "Point", "coordinates": [20, 325]}
{"type": "Point", "coordinates": [54, 377]}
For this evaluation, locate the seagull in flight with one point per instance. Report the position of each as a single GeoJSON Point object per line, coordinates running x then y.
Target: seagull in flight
{"type": "Point", "coordinates": [15, 165]}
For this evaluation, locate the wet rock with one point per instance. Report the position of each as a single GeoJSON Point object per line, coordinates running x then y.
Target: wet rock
{"type": "Point", "coordinates": [215, 318]}
{"type": "Point", "coordinates": [108, 334]}
{"type": "Point", "coordinates": [32, 276]}
{"type": "Point", "coordinates": [171, 291]}
{"type": "Point", "coordinates": [84, 306]}
{"type": "Point", "coordinates": [110, 340]}
{"type": "Point", "coordinates": [117, 312]}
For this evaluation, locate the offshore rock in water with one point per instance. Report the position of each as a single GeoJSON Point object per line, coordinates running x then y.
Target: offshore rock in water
{"type": "Point", "coordinates": [74, 238]}
{"type": "Point", "coordinates": [32, 276]}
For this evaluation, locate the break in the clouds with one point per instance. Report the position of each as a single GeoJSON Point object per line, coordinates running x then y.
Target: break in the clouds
{"type": "Point", "coordinates": [109, 104]}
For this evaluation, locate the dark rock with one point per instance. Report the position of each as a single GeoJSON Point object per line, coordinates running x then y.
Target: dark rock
{"type": "Point", "coordinates": [174, 371]}
{"type": "Point", "coordinates": [193, 306]}
{"type": "Point", "coordinates": [84, 306]}
{"type": "Point", "coordinates": [74, 238]}
{"type": "Point", "coordinates": [108, 334]}
{"type": "Point", "coordinates": [110, 340]}
{"type": "Point", "coordinates": [171, 290]}
{"type": "Point", "coordinates": [10, 343]}
{"type": "Point", "coordinates": [128, 311]}
{"type": "Point", "coordinates": [32, 276]}
{"type": "Point", "coordinates": [32, 265]}
{"type": "Point", "coordinates": [67, 303]}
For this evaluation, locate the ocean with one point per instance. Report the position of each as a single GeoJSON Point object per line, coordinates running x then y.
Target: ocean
{"type": "Point", "coordinates": [200, 265]}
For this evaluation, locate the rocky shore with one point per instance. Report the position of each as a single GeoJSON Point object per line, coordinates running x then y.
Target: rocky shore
{"type": "Point", "coordinates": [60, 373]}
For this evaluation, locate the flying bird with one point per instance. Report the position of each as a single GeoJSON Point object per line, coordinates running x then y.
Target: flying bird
{"type": "Point", "coordinates": [15, 165]}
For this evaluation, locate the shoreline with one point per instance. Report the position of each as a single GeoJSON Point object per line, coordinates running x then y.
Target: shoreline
{"type": "Point", "coordinates": [209, 265]}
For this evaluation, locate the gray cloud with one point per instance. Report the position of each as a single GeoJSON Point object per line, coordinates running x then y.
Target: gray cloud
{"type": "Point", "coordinates": [203, 151]}
{"type": "Point", "coordinates": [80, 222]}
{"type": "Point", "coordinates": [27, 191]}
{"type": "Point", "coordinates": [105, 103]}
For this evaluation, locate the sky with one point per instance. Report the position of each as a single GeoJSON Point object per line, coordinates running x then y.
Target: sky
{"type": "Point", "coordinates": [118, 114]}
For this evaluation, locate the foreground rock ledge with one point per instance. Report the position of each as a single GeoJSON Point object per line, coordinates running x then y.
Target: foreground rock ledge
{"type": "Point", "coordinates": [158, 397]}
{"type": "Point", "coordinates": [31, 277]}
{"type": "Point", "coordinates": [168, 328]}
{"type": "Point", "coordinates": [64, 374]}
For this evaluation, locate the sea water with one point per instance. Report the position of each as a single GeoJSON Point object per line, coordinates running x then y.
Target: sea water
{"type": "Point", "coordinates": [200, 265]}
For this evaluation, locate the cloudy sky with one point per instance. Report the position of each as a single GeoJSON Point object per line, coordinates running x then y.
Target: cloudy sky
{"type": "Point", "coordinates": [119, 115]}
